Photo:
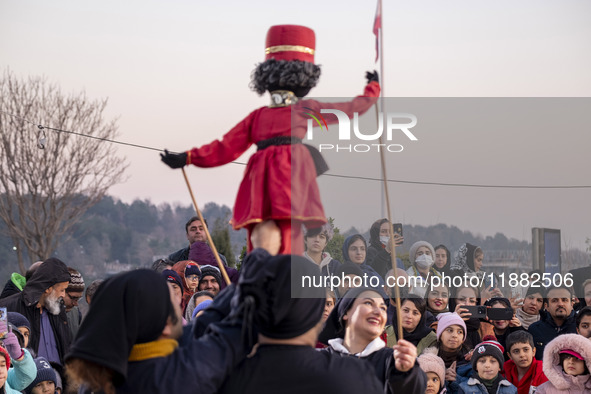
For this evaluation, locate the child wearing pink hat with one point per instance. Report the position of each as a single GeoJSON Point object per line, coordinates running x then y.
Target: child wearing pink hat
{"type": "Point", "coordinates": [567, 361]}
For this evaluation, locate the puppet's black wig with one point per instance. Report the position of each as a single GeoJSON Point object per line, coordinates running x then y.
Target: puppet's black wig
{"type": "Point", "coordinates": [294, 75]}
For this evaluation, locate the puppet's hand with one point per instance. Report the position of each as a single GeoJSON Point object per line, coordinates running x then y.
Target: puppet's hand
{"type": "Point", "coordinates": [174, 160]}
{"type": "Point", "coordinates": [372, 76]}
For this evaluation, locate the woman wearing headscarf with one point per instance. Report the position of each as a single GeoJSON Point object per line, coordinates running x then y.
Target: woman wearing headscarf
{"type": "Point", "coordinates": [355, 251]}
{"type": "Point", "coordinates": [413, 313]}
{"type": "Point", "coordinates": [468, 263]}
{"type": "Point", "coordinates": [442, 259]}
{"type": "Point", "coordinates": [378, 252]}
{"type": "Point", "coordinates": [355, 326]}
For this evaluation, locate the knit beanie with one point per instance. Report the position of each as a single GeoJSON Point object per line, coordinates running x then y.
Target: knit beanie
{"type": "Point", "coordinates": [192, 269]}
{"type": "Point", "coordinates": [210, 270]}
{"type": "Point", "coordinates": [429, 361]}
{"type": "Point", "coordinates": [76, 281]}
{"type": "Point", "coordinates": [488, 347]}
{"type": "Point", "coordinates": [18, 320]}
{"type": "Point", "coordinates": [412, 253]}
{"type": "Point", "coordinates": [449, 319]}
{"type": "Point", "coordinates": [44, 372]}
{"type": "Point", "coordinates": [4, 352]}
{"type": "Point", "coordinates": [172, 277]}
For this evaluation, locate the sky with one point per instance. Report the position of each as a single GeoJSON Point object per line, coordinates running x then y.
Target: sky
{"type": "Point", "coordinates": [176, 74]}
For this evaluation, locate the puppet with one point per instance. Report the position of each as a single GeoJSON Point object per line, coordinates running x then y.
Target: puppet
{"type": "Point", "coordinates": [280, 178]}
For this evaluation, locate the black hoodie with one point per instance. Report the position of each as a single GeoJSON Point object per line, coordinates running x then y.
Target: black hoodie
{"type": "Point", "coordinates": [49, 273]}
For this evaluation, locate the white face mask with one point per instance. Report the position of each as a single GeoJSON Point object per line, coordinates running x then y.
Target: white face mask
{"type": "Point", "coordinates": [384, 239]}
{"type": "Point", "coordinates": [424, 261]}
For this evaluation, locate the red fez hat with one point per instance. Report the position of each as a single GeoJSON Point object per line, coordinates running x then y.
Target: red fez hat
{"type": "Point", "coordinates": [290, 42]}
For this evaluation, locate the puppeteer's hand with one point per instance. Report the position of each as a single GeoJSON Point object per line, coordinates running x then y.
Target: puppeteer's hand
{"type": "Point", "coordinates": [174, 160]}
{"type": "Point", "coordinates": [372, 76]}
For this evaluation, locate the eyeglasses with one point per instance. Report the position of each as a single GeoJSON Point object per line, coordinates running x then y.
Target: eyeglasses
{"type": "Point", "coordinates": [73, 298]}
{"type": "Point", "coordinates": [193, 277]}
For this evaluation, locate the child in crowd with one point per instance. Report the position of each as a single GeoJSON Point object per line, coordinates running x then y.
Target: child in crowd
{"type": "Point", "coordinates": [502, 328]}
{"type": "Point", "coordinates": [15, 379]}
{"type": "Point", "coordinates": [487, 360]}
{"type": "Point", "coordinates": [451, 347]}
{"type": "Point", "coordinates": [567, 360]}
{"type": "Point", "coordinates": [434, 368]}
{"type": "Point", "coordinates": [584, 322]}
{"type": "Point", "coordinates": [45, 382]}
{"type": "Point", "coordinates": [522, 369]}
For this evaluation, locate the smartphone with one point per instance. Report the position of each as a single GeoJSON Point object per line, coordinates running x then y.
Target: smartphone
{"type": "Point", "coordinates": [478, 311]}
{"type": "Point", "coordinates": [398, 229]}
{"type": "Point", "coordinates": [500, 313]}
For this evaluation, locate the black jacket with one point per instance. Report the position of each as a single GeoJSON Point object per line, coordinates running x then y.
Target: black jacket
{"type": "Point", "coordinates": [393, 381]}
{"type": "Point", "coordinates": [545, 330]}
{"type": "Point", "coordinates": [49, 273]}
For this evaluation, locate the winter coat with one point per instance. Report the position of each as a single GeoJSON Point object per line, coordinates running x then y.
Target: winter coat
{"type": "Point", "coordinates": [558, 380]}
{"type": "Point", "coordinates": [533, 378]}
{"type": "Point", "coordinates": [545, 330]}
{"type": "Point", "coordinates": [21, 375]}
{"type": "Point", "coordinates": [183, 254]}
{"type": "Point", "coordinates": [48, 274]}
{"type": "Point", "coordinates": [473, 386]}
{"type": "Point", "coordinates": [379, 259]}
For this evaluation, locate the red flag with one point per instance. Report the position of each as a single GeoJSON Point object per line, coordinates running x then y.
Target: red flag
{"type": "Point", "coordinates": [377, 25]}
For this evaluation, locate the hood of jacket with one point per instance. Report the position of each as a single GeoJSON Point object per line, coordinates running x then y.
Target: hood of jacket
{"type": "Point", "coordinates": [551, 363]}
{"type": "Point", "coordinates": [49, 273]}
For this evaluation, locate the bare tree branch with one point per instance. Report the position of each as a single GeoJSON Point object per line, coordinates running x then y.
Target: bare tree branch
{"type": "Point", "coordinates": [43, 192]}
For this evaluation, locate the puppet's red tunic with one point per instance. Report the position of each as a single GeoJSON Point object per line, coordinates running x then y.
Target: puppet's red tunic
{"type": "Point", "coordinates": [279, 181]}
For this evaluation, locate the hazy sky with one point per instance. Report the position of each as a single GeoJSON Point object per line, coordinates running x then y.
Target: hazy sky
{"type": "Point", "coordinates": [176, 74]}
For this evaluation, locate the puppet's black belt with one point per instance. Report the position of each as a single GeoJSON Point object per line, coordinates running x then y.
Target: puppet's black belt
{"type": "Point", "coordinates": [319, 163]}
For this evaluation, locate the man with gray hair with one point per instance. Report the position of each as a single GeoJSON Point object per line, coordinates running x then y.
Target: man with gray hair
{"type": "Point", "coordinates": [41, 303]}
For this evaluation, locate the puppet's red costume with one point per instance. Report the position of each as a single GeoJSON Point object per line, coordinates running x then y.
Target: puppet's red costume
{"type": "Point", "coordinates": [280, 180]}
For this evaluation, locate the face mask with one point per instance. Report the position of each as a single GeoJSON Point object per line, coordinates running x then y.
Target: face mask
{"type": "Point", "coordinates": [424, 261]}
{"type": "Point", "coordinates": [384, 239]}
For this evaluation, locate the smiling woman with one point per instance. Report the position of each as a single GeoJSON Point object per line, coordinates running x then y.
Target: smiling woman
{"type": "Point", "coordinates": [355, 326]}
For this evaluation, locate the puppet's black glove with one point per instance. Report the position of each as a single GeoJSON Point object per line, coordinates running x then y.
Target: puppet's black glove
{"type": "Point", "coordinates": [174, 160]}
{"type": "Point", "coordinates": [372, 76]}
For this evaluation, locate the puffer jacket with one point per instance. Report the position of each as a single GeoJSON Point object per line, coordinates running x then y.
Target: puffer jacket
{"type": "Point", "coordinates": [558, 381]}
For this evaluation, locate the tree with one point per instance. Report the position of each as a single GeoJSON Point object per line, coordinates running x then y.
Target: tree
{"type": "Point", "coordinates": [221, 239]}
{"type": "Point", "coordinates": [43, 192]}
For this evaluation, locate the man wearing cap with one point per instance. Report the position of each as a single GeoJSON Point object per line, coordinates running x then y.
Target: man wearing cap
{"type": "Point", "coordinates": [41, 303]}
{"type": "Point", "coordinates": [211, 280]}
{"type": "Point", "coordinates": [269, 189]}
{"type": "Point", "coordinates": [74, 293]}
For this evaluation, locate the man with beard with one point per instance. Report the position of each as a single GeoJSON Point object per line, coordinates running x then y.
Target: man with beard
{"type": "Point", "coordinates": [558, 319]}
{"type": "Point", "coordinates": [41, 303]}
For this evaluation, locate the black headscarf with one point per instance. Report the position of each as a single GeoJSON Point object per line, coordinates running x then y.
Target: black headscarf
{"type": "Point", "coordinates": [281, 307]}
{"type": "Point", "coordinates": [420, 332]}
{"type": "Point", "coordinates": [127, 309]}
{"type": "Point", "coordinates": [374, 233]}
{"type": "Point", "coordinates": [334, 327]}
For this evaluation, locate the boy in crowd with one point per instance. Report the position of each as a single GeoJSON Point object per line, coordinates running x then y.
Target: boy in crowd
{"type": "Point", "coordinates": [522, 369]}
{"type": "Point", "coordinates": [487, 360]}
{"type": "Point", "coordinates": [584, 322]}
